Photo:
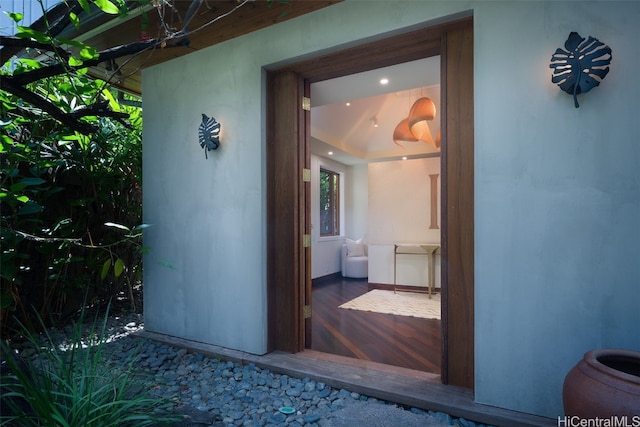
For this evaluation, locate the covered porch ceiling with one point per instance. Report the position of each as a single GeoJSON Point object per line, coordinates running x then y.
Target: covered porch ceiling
{"type": "Point", "coordinates": [103, 31]}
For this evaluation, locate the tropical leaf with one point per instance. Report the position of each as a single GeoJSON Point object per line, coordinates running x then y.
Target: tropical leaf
{"type": "Point", "coordinates": [30, 33]}
{"type": "Point", "coordinates": [118, 267]}
{"type": "Point", "coordinates": [15, 16]}
{"type": "Point", "coordinates": [74, 20]}
{"type": "Point", "coordinates": [85, 6]}
{"type": "Point", "coordinates": [114, 225]}
{"type": "Point", "coordinates": [582, 66]}
{"type": "Point", "coordinates": [74, 62]}
{"type": "Point", "coordinates": [32, 181]}
{"type": "Point", "coordinates": [88, 52]}
{"type": "Point", "coordinates": [107, 7]}
{"type": "Point", "coordinates": [29, 63]}
{"type": "Point", "coordinates": [113, 103]}
{"type": "Point", "coordinates": [29, 208]}
{"type": "Point", "coordinates": [105, 268]}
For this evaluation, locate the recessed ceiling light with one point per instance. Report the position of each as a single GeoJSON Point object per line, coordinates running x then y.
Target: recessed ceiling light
{"type": "Point", "coordinates": [384, 81]}
{"type": "Point", "coordinates": [404, 158]}
{"type": "Point", "coordinates": [330, 153]}
{"type": "Point", "coordinates": [348, 104]}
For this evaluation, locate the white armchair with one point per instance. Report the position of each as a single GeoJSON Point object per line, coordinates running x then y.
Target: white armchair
{"type": "Point", "coordinates": [355, 261]}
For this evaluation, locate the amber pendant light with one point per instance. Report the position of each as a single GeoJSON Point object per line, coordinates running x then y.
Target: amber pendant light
{"type": "Point", "coordinates": [402, 133]}
{"type": "Point", "coordinates": [422, 111]}
{"type": "Point", "coordinates": [421, 131]}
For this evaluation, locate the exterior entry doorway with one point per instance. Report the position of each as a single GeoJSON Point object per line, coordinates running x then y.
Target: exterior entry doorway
{"type": "Point", "coordinates": [385, 190]}
{"type": "Point", "coordinates": [288, 185]}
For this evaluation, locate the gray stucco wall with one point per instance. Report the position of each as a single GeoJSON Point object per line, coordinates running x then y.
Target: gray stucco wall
{"type": "Point", "coordinates": [557, 189]}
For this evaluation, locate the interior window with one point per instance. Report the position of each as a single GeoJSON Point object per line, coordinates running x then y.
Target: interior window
{"type": "Point", "coordinates": [329, 203]}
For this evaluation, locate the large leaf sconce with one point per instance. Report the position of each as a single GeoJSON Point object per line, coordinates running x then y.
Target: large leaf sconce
{"type": "Point", "coordinates": [416, 127]}
{"type": "Point", "coordinates": [209, 134]}
{"type": "Point", "coordinates": [582, 66]}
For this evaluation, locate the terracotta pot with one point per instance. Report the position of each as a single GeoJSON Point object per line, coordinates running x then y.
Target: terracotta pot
{"type": "Point", "coordinates": [605, 383]}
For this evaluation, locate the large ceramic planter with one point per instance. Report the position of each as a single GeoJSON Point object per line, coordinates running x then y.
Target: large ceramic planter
{"type": "Point", "coordinates": [605, 383]}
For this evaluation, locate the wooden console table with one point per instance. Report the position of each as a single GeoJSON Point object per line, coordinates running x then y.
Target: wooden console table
{"type": "Point", "coordinates": [421, 249]}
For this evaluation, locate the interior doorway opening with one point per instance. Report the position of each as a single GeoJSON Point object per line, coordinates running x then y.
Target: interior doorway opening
{"type": "Point", "coordinates": [386, 198]}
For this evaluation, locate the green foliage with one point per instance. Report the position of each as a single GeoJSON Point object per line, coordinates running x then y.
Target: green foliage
{"type": "Point", "coordinates": [107, 6]}
{"type": "Point", "coordinates": [62, 191]}
{"type": "Point", "coordinates": [75, 384]}
{"type": "Point", "coordinates": [60, 194]}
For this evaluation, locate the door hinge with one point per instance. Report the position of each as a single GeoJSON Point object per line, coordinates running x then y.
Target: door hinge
{"type": "Point", "coordinates": [306, 175]}
{"type": "Point", "coordinates": [306, 310]}
{"type": "Point", "coordinates": [306, 240]}
{"type": "Point", "coordinates": [306, 103]}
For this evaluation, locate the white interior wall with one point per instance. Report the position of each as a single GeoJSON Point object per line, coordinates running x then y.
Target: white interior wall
{"type": "Point", "coordinates": [400, 206]}
{"type": "Point", "coordinates": [557, 217]}
{"type": "Point", "coordinates": [357, 190]}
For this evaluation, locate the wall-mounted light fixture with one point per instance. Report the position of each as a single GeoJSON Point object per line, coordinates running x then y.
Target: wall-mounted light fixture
{"type": "Point", "coordinates": [582, 66]}
{"type": "Point", "coordinates": [209, 134]}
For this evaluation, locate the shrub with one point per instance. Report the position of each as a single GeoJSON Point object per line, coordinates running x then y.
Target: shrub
{"type": "Point", "coordinates": [59, 192]}
{"type": "Point", "coordinates": [73, 385]}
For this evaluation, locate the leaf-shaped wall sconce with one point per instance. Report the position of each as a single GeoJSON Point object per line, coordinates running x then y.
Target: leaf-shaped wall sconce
{"type": "Point", "coordinates": [209, 134]}
{"type": "Point", "coordinates": [582, 66]}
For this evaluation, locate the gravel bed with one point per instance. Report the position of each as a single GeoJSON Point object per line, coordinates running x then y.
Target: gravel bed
{"type": "Point", "coordinates": [208, 391]}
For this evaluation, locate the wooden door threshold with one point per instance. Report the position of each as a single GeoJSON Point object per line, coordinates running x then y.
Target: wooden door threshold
{"type": "Point", "coordinates": [394, 384]}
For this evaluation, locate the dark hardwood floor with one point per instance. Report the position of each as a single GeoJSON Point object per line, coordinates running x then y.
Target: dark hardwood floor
{"type": "Point", "coordinates": [409, 342]}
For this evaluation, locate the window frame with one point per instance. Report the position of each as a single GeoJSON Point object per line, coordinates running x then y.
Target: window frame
{"type": "Point", "coordinates": [334, 202]}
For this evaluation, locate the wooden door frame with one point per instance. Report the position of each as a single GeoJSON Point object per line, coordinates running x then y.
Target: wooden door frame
{"type": "Point", "coordinates": [287, 126]}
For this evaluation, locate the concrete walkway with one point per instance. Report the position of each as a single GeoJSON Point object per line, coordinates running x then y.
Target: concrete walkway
{"type": "Point", "coordinates": [376, 415]}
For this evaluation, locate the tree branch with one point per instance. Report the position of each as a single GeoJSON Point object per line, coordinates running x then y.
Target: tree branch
{"type": "Point", "coordinates": [103, 56]}
{"type": "Point", "coordinates": [44, 105]}
{"type": "Point", "coordinates": [21, 43]}
{"type": "Point", "coordinates": [15, 84]}
{"type": "Point", "coordinates": [97, 109]}
{"type": "Point", "coordinates": [53, 22]}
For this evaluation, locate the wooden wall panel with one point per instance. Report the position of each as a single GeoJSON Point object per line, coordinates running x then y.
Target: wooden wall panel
{"type": "Point", "coordinates": [458, 208]}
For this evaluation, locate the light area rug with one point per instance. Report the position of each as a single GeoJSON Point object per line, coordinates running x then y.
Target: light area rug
{"type": "Point", "coordinates": [401, 303]}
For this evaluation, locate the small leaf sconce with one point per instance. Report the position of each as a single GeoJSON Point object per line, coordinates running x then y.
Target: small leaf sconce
{"type": "Point", "coordinates": [209, 134]}
{"type": "Point", "coordinates": [582, 66]}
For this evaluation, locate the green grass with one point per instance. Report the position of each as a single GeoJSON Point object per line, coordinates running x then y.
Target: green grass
{"type": "Point", "coordinates": [75, 386]}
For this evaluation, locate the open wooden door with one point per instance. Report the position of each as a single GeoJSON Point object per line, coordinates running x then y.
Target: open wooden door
{"type": "Point", "coordinates": [288, 248]}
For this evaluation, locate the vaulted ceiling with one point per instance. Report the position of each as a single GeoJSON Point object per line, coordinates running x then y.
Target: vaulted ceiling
{"type": "Point", "coordinates": [354, 117]}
